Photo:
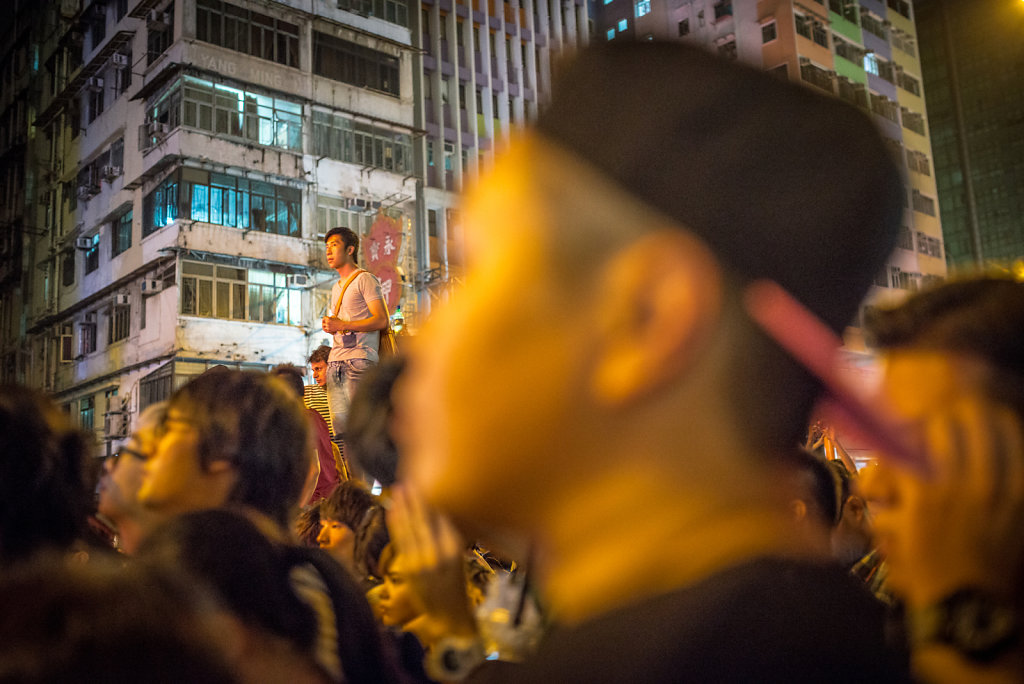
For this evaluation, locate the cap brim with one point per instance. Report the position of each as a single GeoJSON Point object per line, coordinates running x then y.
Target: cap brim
{"type": "Point", "coordinates": [814, 346]}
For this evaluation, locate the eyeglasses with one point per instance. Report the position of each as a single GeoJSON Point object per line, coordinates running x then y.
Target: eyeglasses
{"type": "Point", "coordinates": [126, 451]}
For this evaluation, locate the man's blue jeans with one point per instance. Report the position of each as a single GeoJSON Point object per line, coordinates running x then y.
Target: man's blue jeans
{"type": "Point", "coordinates": [342, 378]}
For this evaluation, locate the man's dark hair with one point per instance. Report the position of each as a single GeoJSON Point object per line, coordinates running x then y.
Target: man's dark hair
{"type": "Point", "coordinates": [253, 421]}
{"type": "Point", "coordinates": [321, 353]}
{"type": "Point", "coordinates": [45, 497]}
{"type": "Point", "coordinates": [348, 504]}
{"type": "Point", "coordinates": [292, 375]}
{"type": "Point", "coordinates": [980, 318]}
{"type": "Point", "coordinates": [817, 480]}
{"type": "Point", "coordinates": [349, 238]}
{"type": "Point", "coordinates": [368, 434]}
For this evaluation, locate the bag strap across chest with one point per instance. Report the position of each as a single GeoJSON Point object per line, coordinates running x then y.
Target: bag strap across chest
{"type": "Point", "coordinates": [344, 288]}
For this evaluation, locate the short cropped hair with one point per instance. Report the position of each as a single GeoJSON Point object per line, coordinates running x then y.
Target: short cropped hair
{"type": "Point", "coordinates": [257, 424]}
{"type": "Point", "coordinates": [349, 238]}
{"type": "Point", "coordinates": [320, 354]}
{"type": "Point", "coordinates": [980, 317]}
{"type": "Point", "coordinates": [291, 375]}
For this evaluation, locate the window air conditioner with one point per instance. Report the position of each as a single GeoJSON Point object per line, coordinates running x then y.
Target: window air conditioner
{"type": "Point", "coordinates": [121, 300]}
{"type": "Point", "coordinates": [83, 243]}
{"type": "Point", "coordinates": [157, 128]}
{"type": "Point", "coordinates": [94, 83]}
{"type": "Point", "coordinates": [150, 286]}
{"type": "Point", "coordinates": [110, 172]}
{"type": "Point", "coordinates": [85, 192]}
{"type": "Point", "coordinates": [297, 280]}
{"type": "Point", "coordinates": [119, 59]}
{"type": "Point", "coordinates": [89, 318]}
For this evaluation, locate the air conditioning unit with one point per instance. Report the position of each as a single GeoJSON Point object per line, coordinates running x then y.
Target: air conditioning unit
{"type": "Point", "coordinates": [83, 243]}
{"type": "Point", "coordinates": [89, 318]}
{"type": "Point", "coordinates": [94, 83]}
{"type": "Point", "coordinates": [119, 60]}
{"type": "Point", "coordinates": [150, 286]}
{"type": "Point", "coordinates": [298, 280]}
{"type": "Point", "coordinates": [157, 20]}
{"type": "Point", "coordinates": [117, 404]}
{"type": "Point", "coordinates": [121, 300]}
{"type": "Point", "coordinates": [110, 172]}
{"type": "Point", "coordinates": [115, 425]}
{"type": "Point", "coordinates": [86, 191]}
{"type": "Point", "coordinates": [157, 128]}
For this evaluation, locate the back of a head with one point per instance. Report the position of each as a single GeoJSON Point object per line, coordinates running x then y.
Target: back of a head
{"type": "Point", "coordinates": [291, 375]}
{"type": "Point", "coordinates": [782, 183]}
{"type": "Point", "coordinates": [256, 423]}
{"type": "Point", "coordinates": [99, 622]}
{"type": "Point", "coordinates": [816, 483]}
{"type": "Point", "coordinates": [44, 494]}
{"type": "Point", "coordinates": [368, 432]}
{"type": "Point", "coordinates": [980, 317]}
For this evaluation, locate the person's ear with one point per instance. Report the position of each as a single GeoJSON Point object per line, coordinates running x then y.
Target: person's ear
{"type": "Point", "coordinates": [660, 300]}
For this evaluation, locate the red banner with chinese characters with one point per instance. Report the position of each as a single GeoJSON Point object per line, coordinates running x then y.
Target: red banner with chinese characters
{"type": "Point", "coordinates": [380, 255]}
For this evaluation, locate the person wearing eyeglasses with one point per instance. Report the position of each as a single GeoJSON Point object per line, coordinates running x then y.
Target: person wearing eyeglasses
{"type": "Point", "coordinates": [122, 477]}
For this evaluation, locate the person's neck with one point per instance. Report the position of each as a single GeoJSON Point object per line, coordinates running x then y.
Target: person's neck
{"type": "Point", "coordinates": [132, 530]}
{"type": "Point", "coordinates": [645, 534]}
{"type": "Point", "coordinates": [346, 269]}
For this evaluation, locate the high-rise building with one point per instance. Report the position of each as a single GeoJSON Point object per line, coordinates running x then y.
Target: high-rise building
{"type": "Point", "coordinates": [972, 55]}
{"type": "Point", "coordinates": [863, 51]}
{"type": "Point", "coordinates": [169, 169]}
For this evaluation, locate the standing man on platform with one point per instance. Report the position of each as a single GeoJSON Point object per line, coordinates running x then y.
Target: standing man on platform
{"type": "Point", "coordinates": [355, 318]}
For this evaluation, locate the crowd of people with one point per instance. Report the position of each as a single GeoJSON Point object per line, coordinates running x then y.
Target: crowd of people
{"type": "Point", "coordinates": [597, 463]}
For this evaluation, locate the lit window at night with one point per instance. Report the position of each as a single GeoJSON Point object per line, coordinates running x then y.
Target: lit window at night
{"type": "Point", "coordinates": [611, 33]}
{"type": "Point", "coordinates": [643, 7]}
{"type": "Point", "coordinates": [622, 25]}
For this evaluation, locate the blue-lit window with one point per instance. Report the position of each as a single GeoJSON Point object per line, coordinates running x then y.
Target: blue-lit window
{"type": "Point", "coordinates": [92, 255]}
{"type": "Point", "coordinates": [611, 33]}
{"type": "Point", "coordinates": [160, 207]}
{"type": "Point", "coordinates": [643, 7]}
{"type": "Point", "coordinates": [623, 25]}
{"type": "Point", "coordinates": [121, 234]}
{"type": "Point", "coordinates": [870, 64]}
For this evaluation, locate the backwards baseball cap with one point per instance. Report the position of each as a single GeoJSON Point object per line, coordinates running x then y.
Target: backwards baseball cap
{"type": "Point", "coordinates": [786, 185]}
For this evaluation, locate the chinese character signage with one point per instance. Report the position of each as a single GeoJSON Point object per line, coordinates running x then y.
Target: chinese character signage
{"type": "Point", "coordinates": [380, 254]}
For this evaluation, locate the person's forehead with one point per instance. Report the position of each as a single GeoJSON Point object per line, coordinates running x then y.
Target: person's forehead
{"type": "Point", "coordinates": [334, 239]}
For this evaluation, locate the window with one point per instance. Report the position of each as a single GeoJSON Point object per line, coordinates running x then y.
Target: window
{"type": "Point", "coordinates": [87, 335]}
{"type": "Point", "coordinates": [803, 26]}
{"type": "Point", "coordinates": [364, 67]}
{"type": "Point", "coordinates": [92, 255]}
{"type": "Point", "coordinates": [878, 67]}
{"type": "Point", "coordinates": [66, 344]}
{"type": "Point", "coordinates": [854, 93]}
{"type": "Point", "coordinates": [225, 110]}
{"type": "Point", "coordinates": [123, 75]}
{"type": "Point", "coordinates": [913, 121]}
{"type": "Point", "coordinates": [388, 10]}
{"type": "Point", "coordinates": [906, 239]}
{"type": "Point", "coordinates": [769, 32]}
{"type": "Point", "coordinates": [909, 83]}
{"type": "Point", "coordinates": [727, 50]}
{"type": "Point", "coordinates": [342, 138]}
{"type": "Point", "coordinates": [904, 42]}
{"type": "Point", "coordinates": [684, 27]}
{"type": "Point", "coordinates": [118, 323]}
{"type": "Point", "coordinates": [223, 200]}
{"type": "Point", "coordinates": [623, 25]}
{"type": "Point", "coordinates": [87, 412]}
{"type": "Point", "coordinates": [925, 205]}
{"type": "Point", "coordinates": [156, 386]}
{"type": "Point", "coordinates": [819, 34]}
{"type": "Point", "coordinates": [643, 7]}
{"type": "Point", "coordinates": [781, 71]}
{"type": "Point", "coordinates": [159, 34]}
{"type": "Point", "coordinates": [723, 8]}
{"type": "Point", "coordinates": [873, 25]}
{"type": "Point", "coordinates": [901, 6]}
{"type": "Point", "coordinates": [847, 51]}
{"type": "Point", "coordinates": [94, 99]}
{"type": "Point", "coordinates": [121, 234]}
{"type": "Point", "coordinates": [816, 76]}
{"type": "Point", "coordinates": [231, 293]}
{"type": "Point", "coordinates": [335, 213]}
{"type": "Point", "coordinates": [67, 268]}
{"type": "Point", "coordinates": [929, 246]}
{"type": "Point", "coordinates": [883, 106]}
{"type": "Point", "coordinates": [160, 207]}
{"type": "Point", "coordinates": [248, 32]}
{"type": "Point", "coordinates": [918, 161]}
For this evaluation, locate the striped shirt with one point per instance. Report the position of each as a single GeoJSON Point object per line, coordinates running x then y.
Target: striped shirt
{"type": "Point", "coordinates": [315, 397]}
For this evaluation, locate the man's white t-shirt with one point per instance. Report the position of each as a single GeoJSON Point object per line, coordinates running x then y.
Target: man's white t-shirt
{"type": "Point", "coordinates": [356, 345]}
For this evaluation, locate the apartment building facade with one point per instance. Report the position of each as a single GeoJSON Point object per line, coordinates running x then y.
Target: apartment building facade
{"type": "Point", "coordinates": [177, 162]}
